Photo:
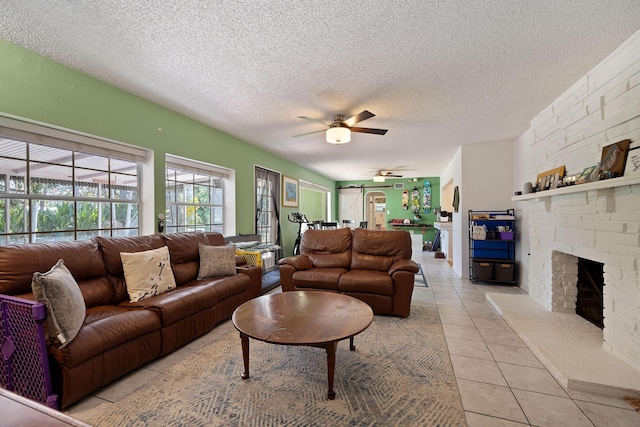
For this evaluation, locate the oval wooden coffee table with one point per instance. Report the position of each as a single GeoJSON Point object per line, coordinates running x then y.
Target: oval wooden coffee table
{"type": "Point", "coordinates": [309, 318]}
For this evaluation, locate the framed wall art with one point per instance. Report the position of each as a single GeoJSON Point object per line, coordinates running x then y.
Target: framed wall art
{"type": "Point", "coordinates": [632, 166]}
{"type": "Point", "coordinates": [289, 192]}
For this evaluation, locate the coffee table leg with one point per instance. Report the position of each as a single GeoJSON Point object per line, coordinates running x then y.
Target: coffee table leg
{"type": "Point", "coordinates": [352, 346]}
{"type": "Point", "coordinates": [245, 354]}
{"type": "Point", "coordinates": [331, 367]}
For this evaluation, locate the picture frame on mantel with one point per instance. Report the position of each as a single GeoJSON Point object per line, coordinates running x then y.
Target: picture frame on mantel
{"type": "Point", "coordinates": [614, 158]}
{"type": "Point", "coordinates": [632, 165]}
{"type": "Point", "coordinates": [549, 179]}
{"type": "Point", "coordinates": [289, 192]}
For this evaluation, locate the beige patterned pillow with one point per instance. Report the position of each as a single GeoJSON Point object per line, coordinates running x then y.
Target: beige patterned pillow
{"type": "Point", "coordinates": [59, 292]}
{"type": "Point", "coordinates": [147, 273]}
{"type": "Point", "coordinates": [216, 261]}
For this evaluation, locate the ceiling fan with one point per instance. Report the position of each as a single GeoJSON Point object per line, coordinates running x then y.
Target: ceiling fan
{"type": "Point", "coordinates": [381, 175]}
{"type": "Point", "coordinates": [339, 131]}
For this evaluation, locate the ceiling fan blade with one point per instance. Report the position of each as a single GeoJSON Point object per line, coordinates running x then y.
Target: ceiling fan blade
{"type": "Point", "coordinates": [370, 130]}
{"type": "Point", "coordinates": [314, 120]}
{"type": "Point", "coordinates": [358, 118]}
{"type": "Point", "coordinates": [308, 133]}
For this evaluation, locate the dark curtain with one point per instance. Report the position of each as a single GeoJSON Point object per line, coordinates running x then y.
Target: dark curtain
{"type": "Point", "coordinates": [274, 179]}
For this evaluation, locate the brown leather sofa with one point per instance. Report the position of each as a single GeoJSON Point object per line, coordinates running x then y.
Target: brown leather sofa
{"type": "Point", "coordinates": [118, 336]}
{"type": "Point", "coordinates": [373, 266]}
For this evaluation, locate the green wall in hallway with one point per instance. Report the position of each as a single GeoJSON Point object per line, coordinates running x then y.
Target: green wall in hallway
{"type": "Point", "coordinates": [394, 199]}
{"type": "Point", "coordinates": [39, 89]}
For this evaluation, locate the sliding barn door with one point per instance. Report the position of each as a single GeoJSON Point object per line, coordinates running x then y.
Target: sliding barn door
{"type": "Point", "coordinates": [351, 204]}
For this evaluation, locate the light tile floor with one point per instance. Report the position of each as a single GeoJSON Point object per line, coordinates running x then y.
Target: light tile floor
{"type": "Point", "coordinates": [501, 382]}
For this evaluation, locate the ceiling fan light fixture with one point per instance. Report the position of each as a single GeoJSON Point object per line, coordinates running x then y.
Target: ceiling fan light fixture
{"type": "Point", "coordinates": [378, 178]}
{"type": "Point", "coordinates": [338, 135]}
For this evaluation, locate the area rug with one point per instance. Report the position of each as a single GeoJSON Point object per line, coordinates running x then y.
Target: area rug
{"type": "Point", "coordinates": [270, 280]}
{"type": "Point", "coordinates": [399, 375]}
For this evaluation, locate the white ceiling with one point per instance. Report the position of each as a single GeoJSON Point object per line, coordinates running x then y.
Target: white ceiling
{"type": "Point", "coordinates": [437, 74]}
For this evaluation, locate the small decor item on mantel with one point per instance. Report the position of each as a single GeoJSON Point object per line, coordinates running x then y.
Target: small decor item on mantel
{"type": "Point", "coordinates": [613, 159]}
{"type": "Point", "coordinates": [590, 173]}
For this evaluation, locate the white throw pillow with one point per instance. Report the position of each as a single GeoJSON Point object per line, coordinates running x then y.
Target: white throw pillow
{"type": "Point", "coordinates": [59, 292]}
{"type": "Point", "coordinates": [147, 273]}
{"type": "Point", "coordinates": [216, 261]}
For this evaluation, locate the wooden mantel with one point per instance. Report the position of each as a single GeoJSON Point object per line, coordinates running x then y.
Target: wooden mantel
{"type": "Point", "coordinates": [596, 185]}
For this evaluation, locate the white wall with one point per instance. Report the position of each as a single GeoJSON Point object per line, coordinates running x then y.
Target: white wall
{"type": "Point", "coordinates": [483, 172]}
{"type": "Point", "coordinates": [453, 173]}
{"type": "Point", "coordinates": [487, 169]}
{"type": "Point", "coordinates": [521, 154]}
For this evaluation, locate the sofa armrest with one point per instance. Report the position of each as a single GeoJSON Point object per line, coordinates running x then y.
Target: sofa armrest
{"type": "Point", "coordinates": [255, 274]}
{"type": "Point", "coordinates": [299, 262]}
{"type": "Point", "coordinates": [404, 265]}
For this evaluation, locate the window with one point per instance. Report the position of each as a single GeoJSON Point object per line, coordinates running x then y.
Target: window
{"type": "Point", "coordinates": [195, 195]}
{"type": "Point", "coordinates": [314, 202]}
{"type": "Point", "coordinates": [267, 187]}
{"type": "Point", "coordinates": [54, 189]}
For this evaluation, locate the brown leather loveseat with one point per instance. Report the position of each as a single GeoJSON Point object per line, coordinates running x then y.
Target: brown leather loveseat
{"type": "Point", "coordinates": [373, 266]}
{"type": "Point", "coordinates": [117, 335]}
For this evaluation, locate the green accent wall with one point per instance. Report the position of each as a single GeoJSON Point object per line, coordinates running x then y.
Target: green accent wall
{"type": "Point", "coordinates": [394, 200]}
{"type": "Point", "coordinates": [37, 88]}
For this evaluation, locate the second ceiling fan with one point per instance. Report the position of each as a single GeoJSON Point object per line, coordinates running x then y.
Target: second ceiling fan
{"type": "Point", "coordinates": [339, 131]}
{"type": "Point", "coordinates": [381, 175]}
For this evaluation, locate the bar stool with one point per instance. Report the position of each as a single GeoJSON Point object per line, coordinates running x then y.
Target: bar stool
{"type": "Point", "coordinates": [349, 223]}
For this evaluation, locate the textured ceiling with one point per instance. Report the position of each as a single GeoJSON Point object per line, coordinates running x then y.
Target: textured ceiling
{"type": "Point", "coordinates": [437, 74]}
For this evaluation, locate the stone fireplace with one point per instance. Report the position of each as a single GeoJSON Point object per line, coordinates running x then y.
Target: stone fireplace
{"type": "Point", "coordinates": [599, 222]}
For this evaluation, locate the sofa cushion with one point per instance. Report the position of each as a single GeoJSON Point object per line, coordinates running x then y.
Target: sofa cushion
{"type": "Point", "coordinates": [327, 248]}
{"type": "Point", "coordinates": [318, 278]}
{"type": "Point", "coordinates": [378, 250]}
{"type": "Point", "coordinates": [216, 261]}
{"type": "Point", "coordinates": [59, 292]}
{"type": "Point", "coordinates": [183, 247]}
{"type": "Point", "coordinates": [185, 258]}
{"type": "Point", "coordinates": [230, 285]}
{"type": "Point", "coordinates": [180, 303]}
{"type": "Point", "coordinates": [215, 239]}
{"type": "Point", "coordinates": [104, 328]}
{"type": "Point", "coordinates": [111, 247]}
{"type": "Point", "coordinates": [366, 282]}
{"type": "Point", "coordinates": [147, 273]}
{"type": "Point", "coordinates": [18, 263]}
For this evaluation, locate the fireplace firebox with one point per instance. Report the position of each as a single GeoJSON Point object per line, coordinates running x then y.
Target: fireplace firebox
{"type": "Point", "coordinates": [590, 302]}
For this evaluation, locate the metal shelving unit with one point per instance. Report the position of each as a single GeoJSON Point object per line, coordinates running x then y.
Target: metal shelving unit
{"type": "Point", "coordinates": [492, 247]}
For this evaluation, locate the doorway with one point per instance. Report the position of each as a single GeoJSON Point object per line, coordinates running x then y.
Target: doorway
{"type": "Point", "coordinates": [376, 210]}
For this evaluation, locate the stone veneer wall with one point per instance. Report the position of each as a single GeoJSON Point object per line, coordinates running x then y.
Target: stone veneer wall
{"type": "Point", "coordinates": [601, 225]}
